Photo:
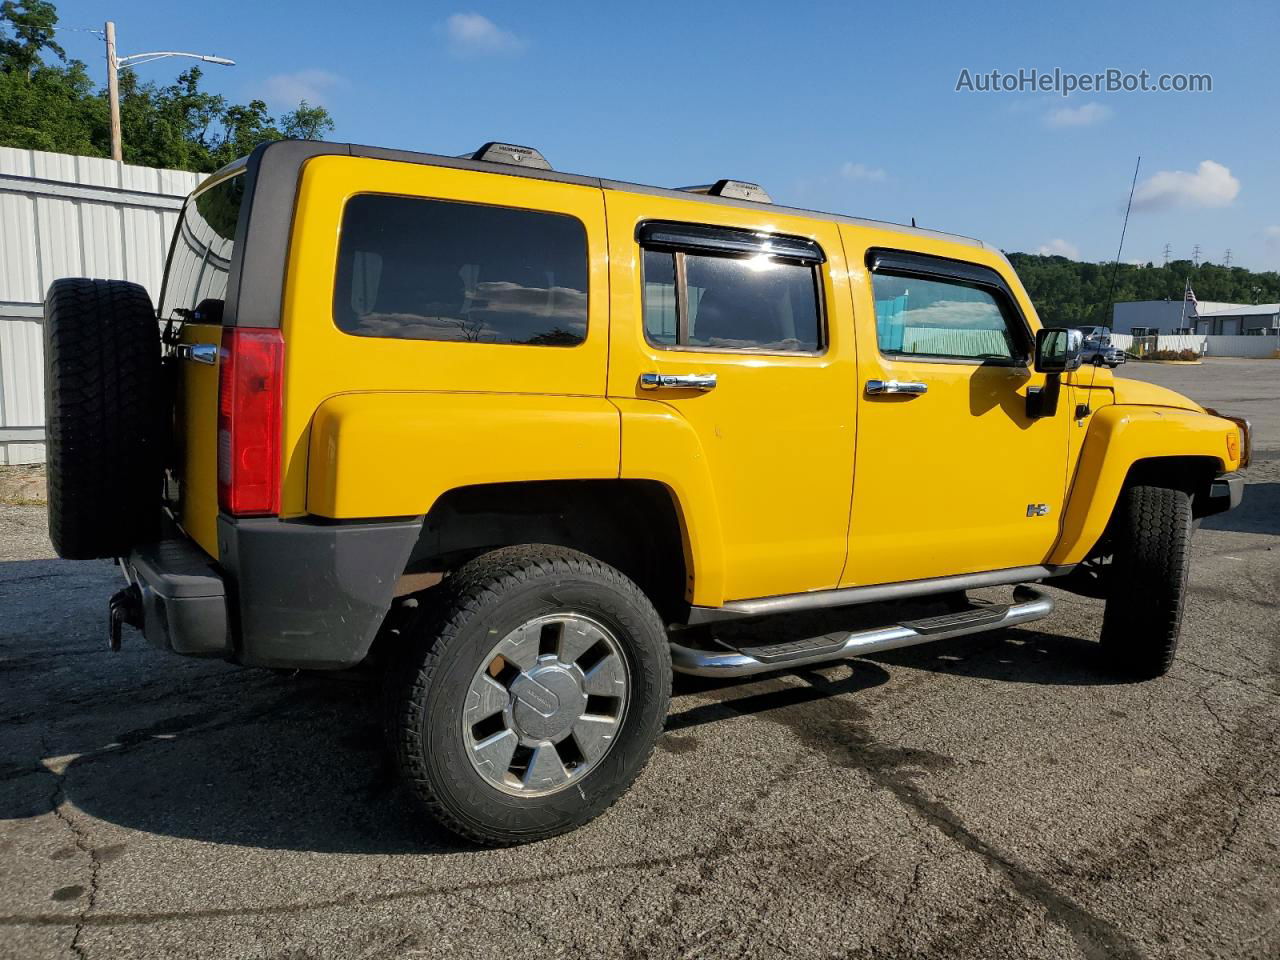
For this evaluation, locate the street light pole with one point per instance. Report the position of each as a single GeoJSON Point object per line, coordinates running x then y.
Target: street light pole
{"type": "Point", "coordinates": [113, 92]}
{"type": "Point", "coordinates": [114, 63]}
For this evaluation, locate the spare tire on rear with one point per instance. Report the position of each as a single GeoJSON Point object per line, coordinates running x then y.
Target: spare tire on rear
{"type": "Point", "coordinates": [104, 417]}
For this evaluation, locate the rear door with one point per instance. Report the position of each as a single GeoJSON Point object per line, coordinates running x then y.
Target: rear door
{"type": "Point", "coordinates": [194, 293]}
{"type": "Point", "coordinates": [742, 319]}
{"type": "Point", "coordinates": [954, 476]}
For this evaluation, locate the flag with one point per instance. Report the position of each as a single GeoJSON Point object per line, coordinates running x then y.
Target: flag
{"type": "Point", "coordinates": [1190, 296]}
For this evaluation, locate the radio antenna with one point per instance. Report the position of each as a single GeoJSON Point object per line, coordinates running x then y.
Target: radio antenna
{"type": "Point", "coordinates": [1115, 269]}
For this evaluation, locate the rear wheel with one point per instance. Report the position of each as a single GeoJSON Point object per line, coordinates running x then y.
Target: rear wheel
{"type": "Point", "coordinates": [531, 696]}
{"type": "Point", "coordinates": [1147, 582]}
{"type": "Point", "coordinates": [104, 412]}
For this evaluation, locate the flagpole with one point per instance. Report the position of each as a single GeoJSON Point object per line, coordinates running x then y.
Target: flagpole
{"type": "Point", "coordinates": [1185, 291]}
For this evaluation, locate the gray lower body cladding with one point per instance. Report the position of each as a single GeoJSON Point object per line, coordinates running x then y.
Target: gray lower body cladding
{"type": "Point", "coordinates": [285, 593]}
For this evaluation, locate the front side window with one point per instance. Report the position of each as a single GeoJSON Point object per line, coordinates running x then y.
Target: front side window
{"type": "Point", "coordinates": [949, 319]}
{"type": "Point", "coordinates": [418, 269]}
{"type": "Point", "coordinates": [195, 285]}
{"type": "Point", "coordinates": [741, 298]}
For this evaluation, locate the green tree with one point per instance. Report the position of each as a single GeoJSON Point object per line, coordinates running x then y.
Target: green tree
{"type": "Point", "coordinates": [32, 24]}
{"type": "Point", "coordinates": [1070, 293]}
{"type": "Point", "coordinates": [48, 102]}
{"type": "Point", "coordinates": [306, 123]}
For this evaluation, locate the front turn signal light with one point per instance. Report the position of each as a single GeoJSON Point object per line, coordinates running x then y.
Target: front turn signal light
{"type": "Point", "coordinates": [1233, 444]}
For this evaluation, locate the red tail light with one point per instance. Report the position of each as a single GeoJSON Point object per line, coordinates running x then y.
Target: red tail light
{"type": "Point", "coordinates": [249, 386]}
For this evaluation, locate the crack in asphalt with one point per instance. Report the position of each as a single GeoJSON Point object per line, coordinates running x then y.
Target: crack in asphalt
{"type": "Point", "coordinates": [417, 893]}
{"type": "Point", "coordinates": [80, 839]}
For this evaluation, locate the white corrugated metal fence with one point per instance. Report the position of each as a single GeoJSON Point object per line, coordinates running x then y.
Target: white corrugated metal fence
{"type": "Point", "coordinates": [65, 216]}
{"type": "Point", "coordinates": [1210, 345]}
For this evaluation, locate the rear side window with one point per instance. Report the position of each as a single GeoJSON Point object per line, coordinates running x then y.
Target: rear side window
{"type": "Point", "coordinates": [712, 289]}
{"type": "Point", "coordinates": [419, 269]}
{"type": "Point", "coordinates": [196, 285]}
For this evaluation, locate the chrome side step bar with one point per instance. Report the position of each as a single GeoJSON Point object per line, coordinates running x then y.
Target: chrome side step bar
{"type": "Point", "coordinates": [1030, 604]}
{"type": "Point", "coordinates": [849, 596]}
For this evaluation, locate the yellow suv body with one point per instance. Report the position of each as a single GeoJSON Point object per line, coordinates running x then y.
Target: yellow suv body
{"type": "Point", "coordinates": [394, 368]}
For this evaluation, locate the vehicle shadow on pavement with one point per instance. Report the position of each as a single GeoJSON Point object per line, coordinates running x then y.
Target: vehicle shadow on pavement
{"type": "Point", "coordinates": [761, 694]}
{"type": "Point", "coordinates": [1259, 512]}
{"type": "Point", "coordinates": [270, 762]}
{"type": "Point", "coordinates": [1015, 655]}
{"type": "Point", "coordinates": [209, 752]}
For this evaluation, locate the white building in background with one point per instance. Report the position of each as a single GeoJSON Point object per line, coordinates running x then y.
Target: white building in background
{"type": "Point", "coordinates": [1144, 318]}
{"type": "Point", "coordinates": [1259, 319]}
{"type": "Point", "coordinates": [65, 216]}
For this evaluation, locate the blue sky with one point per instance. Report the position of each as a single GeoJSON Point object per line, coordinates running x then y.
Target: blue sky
{"type": "Point", "coordinates": [838, 106]}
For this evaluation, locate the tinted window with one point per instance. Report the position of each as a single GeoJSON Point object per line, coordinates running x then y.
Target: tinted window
{"type": "Point", "coordinates": [421, 269]}
{"type": "Point", "coordinates": [755, 302]}
{"type": "Point", "coordinates": [941, 318]}
{"type": "Point", "coordinates": [660, 296]}
{"type": "Point", "coordinates": [201, 260]}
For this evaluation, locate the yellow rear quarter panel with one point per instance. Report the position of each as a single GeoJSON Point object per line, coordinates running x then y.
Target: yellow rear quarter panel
{"type": "Point", "coordinates": [394, 454]}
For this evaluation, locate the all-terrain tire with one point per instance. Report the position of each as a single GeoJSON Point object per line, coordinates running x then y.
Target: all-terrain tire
{"type": "Point", "coordinates": [1147, 583]}
{"type": "Point", "coordinates": [429, 677]}
{"type": "Point", "coordinates": [104, 416]}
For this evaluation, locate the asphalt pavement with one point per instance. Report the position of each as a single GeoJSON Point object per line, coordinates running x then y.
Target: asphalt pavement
{"type": "Point", "coordinates": [990, 796]}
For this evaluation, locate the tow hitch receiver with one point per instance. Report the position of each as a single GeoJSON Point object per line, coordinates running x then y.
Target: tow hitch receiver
{"type": "Point", "coordinates": [125, 606]}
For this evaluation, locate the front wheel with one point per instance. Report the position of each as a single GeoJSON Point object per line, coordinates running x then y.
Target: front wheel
{"type": "Point", "coordinates": [531, 696]}
{"type": "Point", "coordinates": [1147, 582]}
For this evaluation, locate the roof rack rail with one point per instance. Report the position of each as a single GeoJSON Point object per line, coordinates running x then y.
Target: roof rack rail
{"type": "Point", "coordinates": [735, 189]}
{"type": "Point", "coordinates": [495, 152]}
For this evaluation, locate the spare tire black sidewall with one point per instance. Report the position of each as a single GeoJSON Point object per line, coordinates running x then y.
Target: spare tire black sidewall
{"type": "Point", "coordinates": [104, 417]}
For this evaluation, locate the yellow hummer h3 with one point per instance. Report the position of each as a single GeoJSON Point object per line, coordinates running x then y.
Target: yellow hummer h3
{"type": "Point", "coordinates": [537, 440]}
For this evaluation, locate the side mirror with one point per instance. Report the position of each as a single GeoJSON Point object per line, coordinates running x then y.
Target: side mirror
{"type": "Point", "coordinates": [1058, 349]}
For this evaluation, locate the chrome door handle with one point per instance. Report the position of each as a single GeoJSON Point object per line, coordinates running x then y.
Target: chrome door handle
{"type": "Point", "coordinates": [683, 381]}
{"type": "Point", "coordinates": [199, 352]}
{"type": "Point", "coordinates": [910, 387]}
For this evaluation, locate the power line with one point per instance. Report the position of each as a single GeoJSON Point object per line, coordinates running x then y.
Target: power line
{"type": "Point", "coordinates": [1168, 251]}
{"type": "Point", "coordinates": [1226, 258]}
{"type": "Point", "coordinates": [1195, 254]}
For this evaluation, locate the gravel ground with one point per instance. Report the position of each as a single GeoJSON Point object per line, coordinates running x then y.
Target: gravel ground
{"type": "Point", "coordinates": [991, 796]}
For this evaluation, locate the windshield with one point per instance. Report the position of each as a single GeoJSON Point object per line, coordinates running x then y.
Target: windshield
{"type": "Point", "coordinates": [196, 284]}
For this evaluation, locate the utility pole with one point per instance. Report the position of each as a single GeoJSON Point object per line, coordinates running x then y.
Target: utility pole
{"type": "Point", "coordinates": [1168, 250]}
{"type": "Point", "coordinates": [115, 62]}
{"type": "Point", "coordinates": [1195, 255]}
{"type": "Point", "coordinates": [113, 92]}
{"type": "Point", "coordinates": [1226, 258]}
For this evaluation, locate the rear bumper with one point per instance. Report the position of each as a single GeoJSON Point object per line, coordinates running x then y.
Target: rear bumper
{"type": "Point", "coordinates": [184, 603]}
{"type": "Point", "coordinates": [294, 593]}
{"type": "Point", "coordinates": [1225, 493]}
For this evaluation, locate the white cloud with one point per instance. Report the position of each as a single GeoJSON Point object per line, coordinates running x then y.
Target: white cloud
{"type": "Point", "coordinates": [1085, 115]}
{"type": "Point", "coordinates": [1212, 185]}
{"type": "Point", "coordinates": [1272, 234]}
{"type": "Point", "coordinates": [860, 171]}
{"type": "Point", "coordinates": [313, 86]}
{"type": "Point", "coordinates": [1057, 247]}
{"type": "Point", "coordinates": [473, 34]}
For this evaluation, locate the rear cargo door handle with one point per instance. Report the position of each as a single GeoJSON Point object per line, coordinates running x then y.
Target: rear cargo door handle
{"type": "Point", "coordinates": [911, 388]}
{"type": "Point", "coordinates": [199, 352]}
{"type": "Point", "coordinates": [685, 381]}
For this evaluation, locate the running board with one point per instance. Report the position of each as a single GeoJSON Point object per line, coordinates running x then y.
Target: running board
{"type": "Point", "coordinates": [1029, 604]}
